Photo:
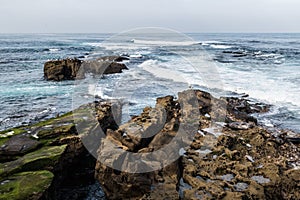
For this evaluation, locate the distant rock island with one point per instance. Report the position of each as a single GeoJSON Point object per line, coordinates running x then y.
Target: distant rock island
{"type": "Point", "coordinates": [73, 68]}
{"type": "Point", "coordinates": [235, 159]}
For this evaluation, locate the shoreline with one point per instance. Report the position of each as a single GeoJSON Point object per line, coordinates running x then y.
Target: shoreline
{"type": "Point", "coordinates": [24, 152]}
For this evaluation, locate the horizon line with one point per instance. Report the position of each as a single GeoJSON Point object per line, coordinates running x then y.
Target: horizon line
{"type": "Point", "coordinates": [225, 32]}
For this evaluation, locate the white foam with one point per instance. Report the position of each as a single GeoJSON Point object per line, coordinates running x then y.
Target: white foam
{"type": "Point", "coordinates": [53, 50]}
{"type": "Point", "coordinates": [157, 69]}
{"type": "Point", "coordinates": [219, 46]}
{"type": "Point", "coordinates": [165, 43]}
{"type": "Point", "coordinates": [259, 85]}
{"type": "Point", "coordinates": [116, 46]}
{"type": "Point", "coordinates": [207, 42]}
{"type": "Point", "coordinates": [137, 55]}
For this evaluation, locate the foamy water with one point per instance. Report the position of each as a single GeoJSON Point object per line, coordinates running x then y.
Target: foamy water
{"type": "Point", "coordinates": [265, 66]}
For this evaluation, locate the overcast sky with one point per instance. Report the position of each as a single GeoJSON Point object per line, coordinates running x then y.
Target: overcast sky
{"type": "Point", "coordinates": [82, 16]}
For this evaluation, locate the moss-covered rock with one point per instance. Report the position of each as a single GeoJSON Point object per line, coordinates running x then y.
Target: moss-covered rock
{"type": "Point", "coordinates": [25, 185]}
{"type": "Point", "coordinates": [54, 132]}
{"type": "Point", "coordinates": [44, 158]}
{"type": "Point", "coordinates": [11, 132]}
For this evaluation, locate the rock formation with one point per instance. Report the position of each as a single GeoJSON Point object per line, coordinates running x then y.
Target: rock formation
{"type": "Point", "coordinates": [216, 150]}
{"type": "Point", "coordinates": [230, 159]}
{"type": "Point", "coordinates": [59, 70]}
{"type": "Point", "coordinates": [71, 69]}
{"type": "Point", "coordinates": [48, 160]}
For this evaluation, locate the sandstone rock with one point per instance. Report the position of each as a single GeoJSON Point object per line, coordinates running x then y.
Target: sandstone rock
{"type": "Point", "coordinates": [113, 58]}
{"type": "Point", "coordinates": [59, 70]}
{"type": "Point", "coordinates": [237, 160]}
{"type": "Point", "coordinates": [142, 134]}
{"type": "Point", "coordinates": [71, 69]}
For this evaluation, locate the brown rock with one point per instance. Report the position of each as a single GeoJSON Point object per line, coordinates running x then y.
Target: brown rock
{"type": "Point", "coordinates": [71, 69]}
{"type": "Point", "coordinates": [59, 70]}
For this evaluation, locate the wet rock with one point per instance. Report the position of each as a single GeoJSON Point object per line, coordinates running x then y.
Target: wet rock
{"type": "Point", "coordinates": [59, 70]}
{"type": "Point", "coordinates": [233, 160]}
{"type": "Point", "coordinates": [54, 146]}
{"type": "Point", "coordinates": [26, 185]}
{"type": "Point", "coordinates": [146, 133]}
{"type": "Point", "coordinates": [41, 159]}
{"type": "Point", "coordinates": [71, 69]}
{"type": "Point", "coordinates": [240, 109]}
{"type": "Point", "coordinates": [113, 58]}
{"type": "Point", "coordinates": [99, 67]}
{"type": "Point", "coordinates": [16, 146]}
{"type": "Point", "coordinates": [222, 162]}
{"type": "Point", "coordinates": [240, 125]}
{"type": "Point", "coordinates": [293, 137]}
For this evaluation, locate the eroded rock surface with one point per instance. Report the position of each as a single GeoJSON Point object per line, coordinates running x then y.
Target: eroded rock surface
{"type": "Point", "coordinates": [217, 151]}
{"type": "Point", "coordinates": [48, 160]}
{"type": "Point", "coordinates": [71, 69]}
{"type": "Point", "coordinates": [230, 156]}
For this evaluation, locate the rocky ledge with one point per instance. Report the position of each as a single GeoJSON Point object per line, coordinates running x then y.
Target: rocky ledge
{"type": "Point", "coordinates": [224, 153]}
{"type": "Point", "coordinates": [71, 69]}
{"type": "Point", "coordinates": [48, 160]}
{"type": "Point", "coordinates": [230, 155]}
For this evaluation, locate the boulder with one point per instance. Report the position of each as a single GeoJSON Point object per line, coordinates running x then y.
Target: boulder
{"type": "Point", "coordinates": [113, 58]}
{"type": "Point", "coordinates": [99, 67]}
{"type": "Point", "coordinates": [71, 69]}
{"type": "Point", "coordinates": [59, 70]}
{"type": "Point", "coordinates": [16, 146]}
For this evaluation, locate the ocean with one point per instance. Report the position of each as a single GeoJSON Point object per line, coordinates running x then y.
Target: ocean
{"type": "Point", "coordinates": [265, 66]}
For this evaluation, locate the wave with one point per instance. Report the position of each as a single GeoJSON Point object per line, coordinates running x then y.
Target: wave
{"type": "Point", "coordinates": [115, 46]}
{"type": "Point", "coordinates": [20, 50]}
{"type": "Point", "coordinates": [156, 69]}
{"type": "Point", "coordinates": [53, 50]}
{"type": "Point", "coordinates": [137, 55]}
{"type": "Point", "coordinates": [165, 43]}
{"type": "Point", "coordinates": [209, 42]}
{"type": "Point", "coordinates": [220, 46]}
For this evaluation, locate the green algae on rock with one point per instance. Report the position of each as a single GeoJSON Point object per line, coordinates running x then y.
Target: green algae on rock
{"type": "Point", "coordinates": [52, 145]}
{"type": "Point", "coordinates": [26, 185]}
{"type": "Point", "coordinates": [44, 158]}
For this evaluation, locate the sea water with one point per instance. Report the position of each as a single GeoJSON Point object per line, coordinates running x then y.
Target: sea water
{"type": "Point", "coordinates": [265, 66]}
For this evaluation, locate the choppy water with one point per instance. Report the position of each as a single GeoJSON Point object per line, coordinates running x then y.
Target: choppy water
{"type": "Point", "coordinates": [265, 66]}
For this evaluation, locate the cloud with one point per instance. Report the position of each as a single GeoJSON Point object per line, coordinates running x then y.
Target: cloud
{"type": "Point", "coordinates": [119, 15]}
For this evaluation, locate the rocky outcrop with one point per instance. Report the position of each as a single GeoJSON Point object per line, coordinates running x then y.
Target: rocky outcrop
{"type": "Point", "coordinates": [229, 155]}
{"type": "Point", "coordinates": [48, 160]}
{"type": "Point", "coordinates": [71, 69]}
{"type": "Point", "coordinates": [59, 70]}
{"type": "Point", "coordinates": [193, 147]}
